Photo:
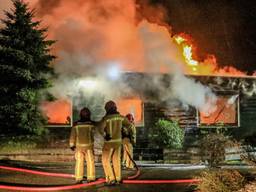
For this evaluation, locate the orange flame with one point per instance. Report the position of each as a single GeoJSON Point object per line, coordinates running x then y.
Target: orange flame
{"type": "Point", "coordinates": [208, 66]}
{"type": "Point", "coordinates": [187, 50]}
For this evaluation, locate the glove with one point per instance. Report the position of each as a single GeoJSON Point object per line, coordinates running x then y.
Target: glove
{"type": "Point", "coordinates": [107, 137]}
{"type": "Point", "coordinates": [73, 148]}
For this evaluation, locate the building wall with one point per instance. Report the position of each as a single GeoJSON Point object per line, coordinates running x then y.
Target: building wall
{"type": "Point", "coordinates": [225, 86]}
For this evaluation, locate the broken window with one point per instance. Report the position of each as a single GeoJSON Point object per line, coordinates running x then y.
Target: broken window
{"type": "Point", "coordinates": [133, 106]}
{"type": "Point", "coordinates": [57, 112]}
{"type": "Point", "coordinates": [226, 113]}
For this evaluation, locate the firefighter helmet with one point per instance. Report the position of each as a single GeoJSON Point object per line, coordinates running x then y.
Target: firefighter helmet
{"type": "Point", "coordinates": [130, 117]}
{"type": "Point", "coordinates": [85, 114]}
{"type": "Point", "coordinates": [110, 106]}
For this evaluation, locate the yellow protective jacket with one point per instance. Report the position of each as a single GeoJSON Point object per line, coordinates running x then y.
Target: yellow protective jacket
{"type": "Point", "coordinates": [112, 125]}
{"type": "Point", "coordinates": [82, 135]}
{"type": "Point", "coordinates": [130, 133]}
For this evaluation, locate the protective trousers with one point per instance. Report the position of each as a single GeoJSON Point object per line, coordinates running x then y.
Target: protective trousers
{"type": "Point", "coordinates": [112, 153]}
{"type": "Point", "coordinates": [127, 148]}
{"type": "Point", "coordinates": [81, 155]}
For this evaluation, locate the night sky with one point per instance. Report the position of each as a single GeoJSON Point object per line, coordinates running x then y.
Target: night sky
{"type": "Point", "coordinates": [224, 28]}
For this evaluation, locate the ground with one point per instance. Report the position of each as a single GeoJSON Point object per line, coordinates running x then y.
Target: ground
{"type": "Point", "coordinates": [147, 172]}
{"type": "Point", "coordinates": [251, 187]}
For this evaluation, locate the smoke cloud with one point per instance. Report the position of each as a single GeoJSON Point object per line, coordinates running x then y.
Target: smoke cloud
{"type": "Point", "coordinates": [98, 40]}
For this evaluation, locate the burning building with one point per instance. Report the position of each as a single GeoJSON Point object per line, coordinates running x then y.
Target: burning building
{"type": "Point", "coordinates": [119, 50]}
{"type": "Point", "coordinates": [235, 108]}
{"type": "Point", "coordinates": [199, 94]}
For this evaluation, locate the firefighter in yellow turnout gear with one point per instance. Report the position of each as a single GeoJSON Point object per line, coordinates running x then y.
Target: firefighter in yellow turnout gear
{"type": "Point", "coordinates": [111, 127]}
{"type": "Point", "coordinates": [81, 141]}
{"type": "Point", "coordinates": [129, 139]}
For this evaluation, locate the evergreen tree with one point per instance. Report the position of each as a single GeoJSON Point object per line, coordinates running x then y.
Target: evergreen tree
{"type": "Point", "coordinates": [24, 71]}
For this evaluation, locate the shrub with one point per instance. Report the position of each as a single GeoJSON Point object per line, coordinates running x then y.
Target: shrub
{"type": "Point", "coordinates": [213, 147]}
{"type": "Point", "coordinates": [248, 155]}
{"type": "Point", "coordinates": [248, 150]}
{"type": "Point", "coordinates": [220, 181]}
{"type": "Point", "coordinates": [167, 133]}
{"type": "Point", "coordinates": [17, 143]}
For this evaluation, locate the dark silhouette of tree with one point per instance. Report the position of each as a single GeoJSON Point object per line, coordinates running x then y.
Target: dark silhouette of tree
{"type": "Point", "coordinates": [24, 71]}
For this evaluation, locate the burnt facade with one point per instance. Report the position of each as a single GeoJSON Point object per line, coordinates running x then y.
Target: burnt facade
{"type": "Point", "coordinates": [155, 108]}
{"type": "Point", "coordinates": [243, 89]}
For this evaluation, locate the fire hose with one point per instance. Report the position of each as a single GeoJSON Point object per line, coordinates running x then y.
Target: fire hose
{"type": "Point", "coordinates": [37, 172]}
{"type": "Point", "coordinates": [135, 165]}
{"type": "Point", "coordinates": [57, 188]}
{"type": "Point", "coordinates": [130, 180]}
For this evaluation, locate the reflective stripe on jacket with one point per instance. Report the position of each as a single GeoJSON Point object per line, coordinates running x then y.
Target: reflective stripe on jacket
{"type": "Point", "coordinates": [82, 135]}
{"type": "Point", "coordinates": [112, 125]}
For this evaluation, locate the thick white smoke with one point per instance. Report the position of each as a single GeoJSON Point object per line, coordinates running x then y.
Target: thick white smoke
{"type": "Point", "coordinates": [99, 40]}
{"type": "Point", "coordinates": [102, 32]}
{"type": "Point", "coordinates": [195, 94]}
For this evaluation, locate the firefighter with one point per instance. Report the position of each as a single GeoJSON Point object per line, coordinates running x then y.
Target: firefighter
{"type": "Point", "coordinates": [129, 139]}
{"type": "Point", "coordinates": [81, 141]}
{"type": "Point", "coordinates": [111, 128]}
